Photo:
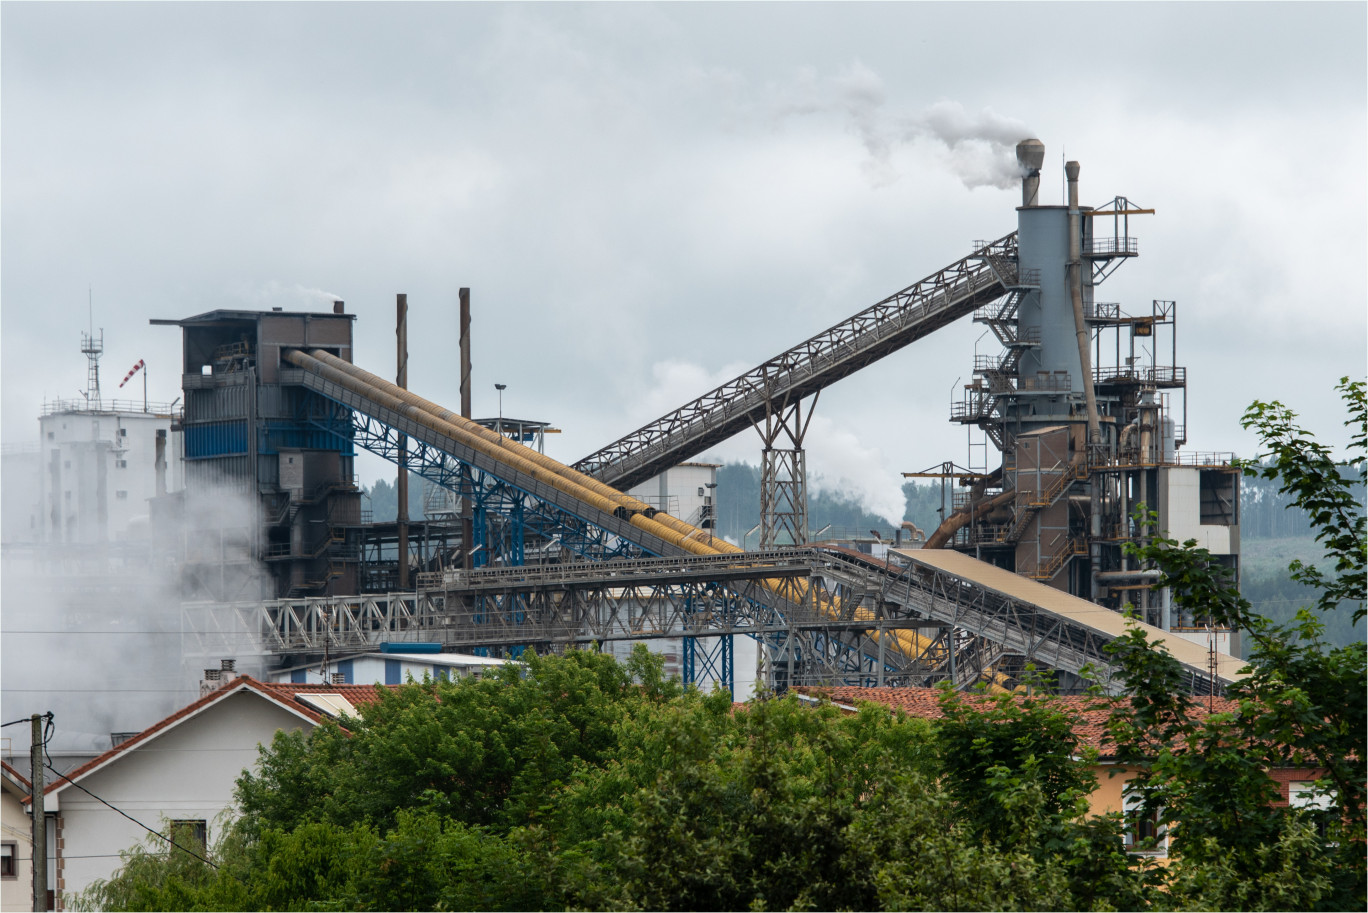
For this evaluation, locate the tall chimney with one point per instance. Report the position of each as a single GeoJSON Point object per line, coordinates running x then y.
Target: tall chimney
{"type": "Point", "coordinates": [1030, 156]}
{"type": "Point", "coordinates": [402, 518]}
{"type": "Point", "coordinates": [467, 508]}
{"type": "Point", "coordinates": [160, 464]}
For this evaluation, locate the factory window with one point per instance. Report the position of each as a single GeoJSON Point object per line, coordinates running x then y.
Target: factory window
{"type": "Point", "coordinates": [192, 834]}
{"type": "Point", "coordinates": [121, 464]}
{"type": "Point", "coordinates": [9, 860]}
{"type": "Point", "coordinates": [121, 495]}
{"type": "Point", "coordinates": [123, 432]}
{"type": "Point", "coordinates": [67, 495]}
{"type": "Point", "coordinates": [1220, 497]}
{"type": "Point", "coordinates": [51, 435]}
{"type": "Point", "coordinates": [66, 464]}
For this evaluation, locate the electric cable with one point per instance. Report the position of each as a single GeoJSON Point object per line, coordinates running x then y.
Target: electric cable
{"type": "Point", "coordinates": [47, 736]}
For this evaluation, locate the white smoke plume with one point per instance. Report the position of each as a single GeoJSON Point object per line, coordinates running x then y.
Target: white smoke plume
{"type": "Point", "coordinates": [98, 633]}
{"type": "Point", "coordinates": [839, 462]}
{"type": "Point", "coordinates": [981, 147]}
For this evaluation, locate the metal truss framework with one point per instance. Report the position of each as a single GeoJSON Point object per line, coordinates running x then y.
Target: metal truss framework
{"type": "Point", "coordinates": [783, 474]}
{"type": "Point", "coordinates": [882, 328]}
{"type": "Point", "coordinates": [509, 504]}
{"type": "Point", "coordinates": [835, 627]}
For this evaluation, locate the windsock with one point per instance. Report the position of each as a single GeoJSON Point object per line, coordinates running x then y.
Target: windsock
{"type": "Point", "coordinates": [134, 370]}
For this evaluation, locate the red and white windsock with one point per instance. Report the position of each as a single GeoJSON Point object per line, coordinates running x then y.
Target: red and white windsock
{"type": "Point", "coordinates": [134, 370]}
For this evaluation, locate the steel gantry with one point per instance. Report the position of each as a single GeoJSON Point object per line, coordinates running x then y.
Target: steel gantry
{"type": "Point", "coordinates": [826, 616]}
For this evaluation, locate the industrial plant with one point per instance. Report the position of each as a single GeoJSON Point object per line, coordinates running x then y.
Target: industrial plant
{"type": "Point", "coordinates": [248, 490]}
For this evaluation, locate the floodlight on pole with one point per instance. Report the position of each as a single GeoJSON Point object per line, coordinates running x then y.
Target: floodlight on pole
{"type": "Point", "coordinates": [501, 388]}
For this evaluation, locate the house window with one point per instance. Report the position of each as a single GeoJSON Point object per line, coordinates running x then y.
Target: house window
{"type": "Point", "coordinates": [190, 834]}
{"type": "Point", "coordinates": [1144, 833]}
{"type": "Point", "coordinates": [9, 860]}
{"type": "Point", "coordinates": [1303, 794]}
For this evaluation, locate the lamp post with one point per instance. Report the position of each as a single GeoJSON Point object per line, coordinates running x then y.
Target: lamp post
{"type": "Point", "coordinates": [501, 388]}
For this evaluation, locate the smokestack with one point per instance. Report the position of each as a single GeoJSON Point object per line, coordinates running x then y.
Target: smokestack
{"type": "Point", "coordinates": [339, 307]}
{"type": "Point", "coordinates": [402, 518]}
{"type": "Point", "coordinates": [160, 464]}
{"type": "Point", "coordinates": [1075, 271]}
{"type": "Point", "coordinates": [1030, 156]}
{"type": "Point", "coordinates": [467, 512]}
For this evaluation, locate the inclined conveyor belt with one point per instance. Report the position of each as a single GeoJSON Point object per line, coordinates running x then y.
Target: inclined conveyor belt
{"type": "Point", "coordinates": [537, 474]}
{"type": "Point", "coordinates": [904, 317]}
{"type": "Point", "coordinates": [958, 577]}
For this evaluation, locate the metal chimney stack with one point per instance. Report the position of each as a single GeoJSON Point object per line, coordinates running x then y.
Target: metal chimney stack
{"type": "Point", "coordinates": [1030, 156]}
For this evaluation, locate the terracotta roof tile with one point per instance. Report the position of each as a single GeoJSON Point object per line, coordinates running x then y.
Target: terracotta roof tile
{"type": "Point", "coordinates": [232, 687]}
{"type": "Point", "coordinates": [1090, 713]}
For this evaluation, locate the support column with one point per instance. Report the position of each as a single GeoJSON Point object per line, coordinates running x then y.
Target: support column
{"type": "Point", "coordinates": [783, 473]}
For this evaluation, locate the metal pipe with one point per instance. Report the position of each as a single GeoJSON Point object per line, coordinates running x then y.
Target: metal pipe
{"type": "Point", "coordinates": [1075, 268]}
{"type": "Point", "coordinates": [401, 518]}
{"type": "Point", "coordinates": [467, 506]}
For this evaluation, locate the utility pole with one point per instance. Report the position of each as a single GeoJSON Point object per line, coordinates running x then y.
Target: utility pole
{"type": "Point", "coordinates": [39, 816]}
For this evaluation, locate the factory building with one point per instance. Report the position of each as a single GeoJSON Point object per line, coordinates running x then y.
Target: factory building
{"type": "Point", "coordinates": [265, 486]}
{"type": "Point", "coordinates": [97, 464]}
{"type": "Point", "coordinates": [1085, 407]}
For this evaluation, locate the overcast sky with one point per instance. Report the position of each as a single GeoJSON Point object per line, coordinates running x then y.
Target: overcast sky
{"type": "Point", "coordinates": [647, 200]}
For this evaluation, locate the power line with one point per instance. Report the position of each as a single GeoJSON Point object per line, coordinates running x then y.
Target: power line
{"type": "Point", "coordinates": [47, 737]}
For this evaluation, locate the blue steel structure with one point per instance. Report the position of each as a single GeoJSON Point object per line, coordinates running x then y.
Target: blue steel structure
{"type": "Point", "coordinates": [506, 517]}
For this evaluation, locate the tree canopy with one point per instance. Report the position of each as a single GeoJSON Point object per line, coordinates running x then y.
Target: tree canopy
{"type": "Point", "coordinates": [576, 782]}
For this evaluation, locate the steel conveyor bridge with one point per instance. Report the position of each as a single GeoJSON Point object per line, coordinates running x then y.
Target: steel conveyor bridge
{"type": "Point", "coordinates": [835, 632]}
{"type": "Point", "coordinates": [832, 617]}
{"type": "Point", "coordinates": [807, 368]}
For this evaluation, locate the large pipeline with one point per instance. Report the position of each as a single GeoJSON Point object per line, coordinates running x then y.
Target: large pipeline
{"type": "Point", "coordinates": [561, 477]}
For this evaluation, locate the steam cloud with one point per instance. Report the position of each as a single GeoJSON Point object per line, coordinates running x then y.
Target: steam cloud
{"type": "Point", "coordinates": [98, 634]}
{"type": "Point", "coordinates": [981, 147]}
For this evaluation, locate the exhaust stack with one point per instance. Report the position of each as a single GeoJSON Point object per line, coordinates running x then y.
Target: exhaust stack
{"type": "Point", "coordinates": [1030, 156]}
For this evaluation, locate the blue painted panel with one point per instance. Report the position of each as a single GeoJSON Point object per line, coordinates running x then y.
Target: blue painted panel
{"type": "Point", "coordinates": [393, 675]}
{"type": "Point", "coordinates": [441, 672]}
{"type": "Point", "coordinates": [345, 667]}
{"type": "Point", "coordinates": [422, 647]}
{"type": "Point", "coordinates": [215, 439]}
{"type": "Point", "coordinates": [297, 676]}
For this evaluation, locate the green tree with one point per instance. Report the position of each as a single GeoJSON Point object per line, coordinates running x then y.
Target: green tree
{"type": "Point", "coordinates": [1302, 703]}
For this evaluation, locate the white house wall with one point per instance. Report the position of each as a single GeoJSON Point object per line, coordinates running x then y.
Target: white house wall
{"type": "Point", "coordinates": [16, 893]}
{"type": "Point", "coordinates": [185, 773]}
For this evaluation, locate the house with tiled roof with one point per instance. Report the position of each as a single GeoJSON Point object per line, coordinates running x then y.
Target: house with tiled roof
{"type": "Point", "coordinates": [1090, 726]}
{"type": "Point", "coordinates": [178, 773]}
{"type": "Point", "coordinates": [16, 842]}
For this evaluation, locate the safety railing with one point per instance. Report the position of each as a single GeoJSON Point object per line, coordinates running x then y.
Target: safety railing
{"type": "Point", "coordinates": [1111, 247]}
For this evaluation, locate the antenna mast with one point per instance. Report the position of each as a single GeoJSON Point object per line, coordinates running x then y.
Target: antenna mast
{"type": "Point", "coordinates": [92, 348]}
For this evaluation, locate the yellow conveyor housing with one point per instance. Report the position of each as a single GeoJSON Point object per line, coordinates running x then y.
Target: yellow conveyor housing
{"type": "Point", "coordinates": [544, 469]}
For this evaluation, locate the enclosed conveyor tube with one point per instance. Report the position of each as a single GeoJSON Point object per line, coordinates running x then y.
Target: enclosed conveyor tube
{"type": "Point", "coordinates": [561, 477]}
